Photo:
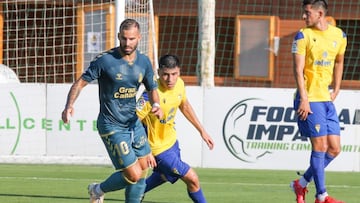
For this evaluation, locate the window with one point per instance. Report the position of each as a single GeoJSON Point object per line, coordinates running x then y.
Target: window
{"type": "Point", "coordinates": [255, 48]}
{"type": "Point", "coordinates": [93, 40]}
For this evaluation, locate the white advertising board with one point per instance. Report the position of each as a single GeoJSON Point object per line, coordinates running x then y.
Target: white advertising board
{"type": "Point", "coordinates": [256, 128]}
{"type": "Point", "coordinates": [253, 128]}
{"type": "Point", "coordinates": [80, 136]}
{"type": "Point", "coordinates": [22, 111]}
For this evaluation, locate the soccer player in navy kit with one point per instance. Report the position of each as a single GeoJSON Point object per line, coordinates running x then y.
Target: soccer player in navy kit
{"type": "Point", "coordinates": [119, 72]}
{"type": "Point", "coordinates": [318, 53]}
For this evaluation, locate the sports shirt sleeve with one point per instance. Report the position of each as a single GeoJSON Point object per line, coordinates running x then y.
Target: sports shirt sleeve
{"type": "Point", "coordinates": [149, 80]}
{"type": "Point", "coordinates": [143, 106]}
{"type": "Point", "coordinates": [184, 97]}
{"type": "Point", "coordinates": [93, 72]}
{"type": "Point", "coordinates": [299, 44]}
{"type": "Point", "coordinates": [343, 44]}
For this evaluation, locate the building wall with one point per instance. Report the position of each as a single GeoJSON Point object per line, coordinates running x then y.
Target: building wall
{"type": "Point", "coordinates": [289, 13]}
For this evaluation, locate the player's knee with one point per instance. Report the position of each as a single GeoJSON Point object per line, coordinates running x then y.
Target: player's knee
{"type": "Point", "coordinates": [133, 178]}
{"type": "Point", "coordinates": [334, 151]}
{"type": "Point", "coordinates": [133, 174]}
{"type": "Point", "coordinates": [193, 185]}
{"type": "Point", "coordinates": [192, 180]}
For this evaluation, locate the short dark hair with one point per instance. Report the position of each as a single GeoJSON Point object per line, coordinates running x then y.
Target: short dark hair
{"type": "Point", "coordinates": [128, 23]}
{"type": "Point", "coordinates": [169, 61]}
{"type": "Point", "coordinates": [316, 3]}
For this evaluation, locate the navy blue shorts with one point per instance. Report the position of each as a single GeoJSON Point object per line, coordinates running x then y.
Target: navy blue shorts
{"type": "Point", "coordinates": [323, 120]}
{"type": "Point", "coordinates": [170, 165]}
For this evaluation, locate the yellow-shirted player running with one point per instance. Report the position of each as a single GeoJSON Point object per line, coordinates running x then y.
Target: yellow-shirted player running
{"type": "Point", "coordinates": [162, 134]}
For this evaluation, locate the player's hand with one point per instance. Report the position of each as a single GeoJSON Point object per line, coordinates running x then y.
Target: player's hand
{"type": "Point", "coordinates": [156, 110]}
{"type": "Point", "coordinates": [151, 161]}
{"type": "Point", "coordinates": [206, 137]}
{"type": "Point", "coordinates": [333, 95]}
{"type": "Point", "coordinates": [304, 110]}
{"type": "Point", "coordinates": [67, 112]}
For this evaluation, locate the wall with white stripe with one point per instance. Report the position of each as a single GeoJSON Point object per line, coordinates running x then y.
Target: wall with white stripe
{"type": "Point", "coordinates": [253, 128]}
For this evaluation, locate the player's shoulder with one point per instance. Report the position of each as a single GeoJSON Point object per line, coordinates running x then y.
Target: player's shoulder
{"type": "Point", "coordinates": [143, 61]}
{"type": "Point", "coordinates": [336, 30]}
{"type": "Point", "coordinates": [180, 82]}
{"type": "Point", "coordinates": [180, 86]}
{"type": "Point", "coordinates": [142, 57]}
{"type": "Point", "coordinates": [301, 34]}
{"type": "Point", "coordinates": [105, 54]}
{"type": "Point", "coordinates": [306, 30]}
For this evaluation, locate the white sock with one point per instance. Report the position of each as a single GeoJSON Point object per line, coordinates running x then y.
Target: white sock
{"type": "Point", "coordinates": [303, 182]}
{"type": "Point", "coordinates": [322, 196]}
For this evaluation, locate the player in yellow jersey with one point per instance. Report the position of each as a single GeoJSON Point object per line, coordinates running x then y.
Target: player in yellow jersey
{"type": "Point", "coordinates": [162, 134]}
{"type": "Point", "coordinates": [318, 52]}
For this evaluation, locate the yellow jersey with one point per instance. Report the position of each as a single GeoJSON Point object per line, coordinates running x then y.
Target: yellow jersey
{"type": "Point", "coordinates": [162, 133]}
{"type": "Point", "coordinates": [320, 49]}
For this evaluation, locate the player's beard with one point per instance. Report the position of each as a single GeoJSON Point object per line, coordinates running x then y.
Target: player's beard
{"type": "Point", "coordinates": [127, 50]}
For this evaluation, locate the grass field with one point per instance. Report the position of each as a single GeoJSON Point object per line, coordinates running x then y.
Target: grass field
{"type": "Point", "coordinates": [67, 184]}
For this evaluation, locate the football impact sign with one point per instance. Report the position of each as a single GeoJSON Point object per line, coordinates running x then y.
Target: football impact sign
{"type": "Point", "coordinates": [259, 130]}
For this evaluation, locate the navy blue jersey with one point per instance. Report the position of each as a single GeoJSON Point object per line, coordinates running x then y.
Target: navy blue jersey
{"type": "Point", "coordinates": [118, 84]}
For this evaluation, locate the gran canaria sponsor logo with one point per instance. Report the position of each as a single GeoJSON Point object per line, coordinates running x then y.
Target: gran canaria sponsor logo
{"type": "Point", "coordinates": [124, 93]}
{"type": "Point", "coordinates": [253, 130]}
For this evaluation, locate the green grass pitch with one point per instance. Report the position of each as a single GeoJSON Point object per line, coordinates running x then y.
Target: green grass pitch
{"type": "Point", "coordinates": [67, 184]}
